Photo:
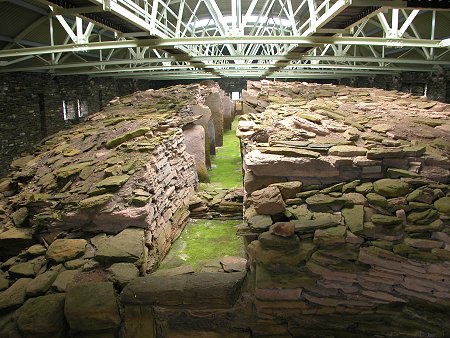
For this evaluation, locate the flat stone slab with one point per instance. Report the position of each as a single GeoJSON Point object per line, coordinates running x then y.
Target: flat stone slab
{"type": "Point", "coordinates": [198, 290]}
{"type": "Point", "coordinates": [15, 295]}
{"type": "Point", "coordinates": [91, 307]}
{"type": "Point", "coordinates": [43, 316]}
{"type": "Point", "coordinates": [347, 151]}
{"type": "Point", "coordinates": [14, 240]}
{"type": "Point", "coordinates": [63, 250]}
{"type": "Point", "coordinates": [126, 246]}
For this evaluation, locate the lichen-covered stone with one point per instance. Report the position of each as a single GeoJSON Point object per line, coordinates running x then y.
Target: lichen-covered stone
{"type": "Point", "coordinates": [64, 280]}
{"type": "Point", "coordinates": [330, 236]}
{"type": "Point", "coordinates": [15, 295]}
{"type": "Point", "coordinates": [425, 195]}
{"type": "Point", "coordinates": [354, 218]}
{"type": "Point", "coordinates": [13, 240]}
{"type": "Point", "coordinates": [290, 152]}
{"type": "Point", "coordinates": [386, 220]}
{"type": "Point", "coordinates": [20, 216]}
{"type": "Point", "coordinates": [389, 187]}
{"type": "Point", "coordinates": [62, 250]}
{"type": "Point", "coordinates": [323, 200]}
{"type": "Point", "coordinates": [318, 220]}
{"type": "Point", "coordinates": [43, 316]}
{"type": "Point", "coordinates": [95, 201]}
{"type": "Point", "coordinates": [71, 169]}
{"type": "Point", "coordinates": [122, 273]}
{"type": "Point", "coordinates": [269, 257]}
{"type": "Point", "coordinates": [397, 173]}
{"type": "Point", "coordinates": [364, 188]}
{"type": "Point", "coordinates": [20, 270]}
{"type": "Point", "coordinates": [113, 182]}
{"type": "Point", "coordinates": [126, 137]}
{"type": "Point", "coordinates": [273, 242]}
{"type": "Point", "coordinates": [36, 250]}
{"type": "Point", "coordinates": [377, 199]}
{"type": "Point", "coordinates": [4, 283]}
{"type": "Point", "coordinates": [260, 222]}
{"type": "Point", "coordinates": [41, 283]}
{"type": "Point", "coordinates": [382, 153]}
{"type": "Point", "coordinates": [443, 205]}
{"type": "Point", "coordinates": [422, 217]}
{"type": "Point", "coordinates": [350, 186]}
{"type": "Point", "coordinates": [92, 307]}
{"type": "Point", "coordinates": [125, 247]}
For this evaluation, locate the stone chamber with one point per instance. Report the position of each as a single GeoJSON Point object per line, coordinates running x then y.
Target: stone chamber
{"type": "Point", "coordinates": [344, 209]}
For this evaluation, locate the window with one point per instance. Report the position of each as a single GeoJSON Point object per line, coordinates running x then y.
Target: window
{"type": "Point", "coordinates": [74, 109]}
{"type": "Point", "coordinates": [235, 96]}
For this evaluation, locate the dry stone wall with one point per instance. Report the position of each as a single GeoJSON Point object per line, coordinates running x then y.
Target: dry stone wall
{"type": "Point", "coordinates": [324, 134]}
{"type": "Point", "coordinates": [94, 207]}
{"type": "Point", "coordinates": [347, 216]}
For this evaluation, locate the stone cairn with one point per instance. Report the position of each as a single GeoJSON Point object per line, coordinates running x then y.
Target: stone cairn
{"type": "Point", "coordinates": [100, 204]}
{"type": "Point", "coordinates": [347, 210]}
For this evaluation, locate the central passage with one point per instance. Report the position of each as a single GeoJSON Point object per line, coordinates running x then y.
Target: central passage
{"type": "Point", "coordinates": [211, 244]}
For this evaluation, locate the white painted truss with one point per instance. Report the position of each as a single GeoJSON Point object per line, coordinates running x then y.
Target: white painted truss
{"type": "Point", "coordinates": [184, 39]}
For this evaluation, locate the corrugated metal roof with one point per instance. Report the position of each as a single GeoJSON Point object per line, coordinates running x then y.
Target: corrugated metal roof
{"type": "Point", "coordinates": [14, 19]}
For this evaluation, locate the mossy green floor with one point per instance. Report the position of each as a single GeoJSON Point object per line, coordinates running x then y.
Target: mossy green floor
{"type": "Point", "coordinates": [226, 169]}
{"type": "Point", "coordinates": [204, 241]}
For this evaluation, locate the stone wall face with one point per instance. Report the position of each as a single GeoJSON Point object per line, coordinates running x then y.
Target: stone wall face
{"type": "Point", "coordinates": [326, 134]}
{"type": "Point", "coordinates": [346, 236]}
{"type": "Point", "coordinates": [31, 106]}
{"type": "Point", "coordinates": [436, 83]}
{"type": "Point", "coordinates": [97, 205]}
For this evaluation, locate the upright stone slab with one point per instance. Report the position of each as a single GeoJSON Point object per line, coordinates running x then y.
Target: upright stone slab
{"type": "Point", "coordinates": [227, 116]}
{"type": "Point", "coordinates": [204, 113]}
{"type": "Point", "coordinates": [194, 138]}
{"type": "Point", "coordinates": [214, 102]}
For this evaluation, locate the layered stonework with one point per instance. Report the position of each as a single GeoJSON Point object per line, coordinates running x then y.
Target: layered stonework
{"type": "Point", "coordinates": [347, 217]}
{"type": "Point", "coordinates": [323, 134]}
{"type": "Point", "coordinates": [98, 204]}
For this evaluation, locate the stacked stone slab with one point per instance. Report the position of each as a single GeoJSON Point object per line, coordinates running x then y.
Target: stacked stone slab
{"type": "Point", "coordinates": [336, 249]}
{"type": "Point", "coordinates": [96, 206]}
{"type": "Point", "coordinates": [215, 203]}
{"type": "Point", "coordinates": [323, 134]}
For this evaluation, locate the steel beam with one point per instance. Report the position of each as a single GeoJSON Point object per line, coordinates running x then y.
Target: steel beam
{"type": "Point", "coordinates": [176, 42]}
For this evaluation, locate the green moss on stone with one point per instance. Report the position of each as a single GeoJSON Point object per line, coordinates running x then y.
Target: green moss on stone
{"type": "Point", "coordinates": [126, 137]}
{"type": "Point", "coordinates": [92, 202]}
{"type": "Point", "coordinates": [72, 169]}
{"type": "Point", "coordinates": [202, 241]}
{"type": "Point", "coordinates": [113, 182]}
{"type": "Point", "coordinates": [226, 164]}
